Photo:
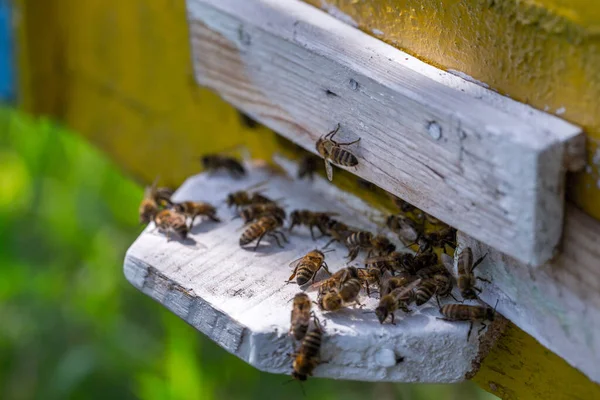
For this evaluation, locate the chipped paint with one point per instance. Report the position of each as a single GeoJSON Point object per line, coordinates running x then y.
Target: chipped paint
{"type": "Point", "coordinates": [468, 78]}
{"type": "Point", "coordinates": [377, 32]}
{"type": "Point", "coordinates": [561, 111]}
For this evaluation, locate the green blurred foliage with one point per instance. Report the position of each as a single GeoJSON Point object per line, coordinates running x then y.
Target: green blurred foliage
{"type": "Point", "coordinates": [71, 327]}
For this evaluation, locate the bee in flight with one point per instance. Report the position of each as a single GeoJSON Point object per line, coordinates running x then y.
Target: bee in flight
{"type": "Point", "coordinates": [265, 226]}
{"type": "Point", "coordinates": [214, 162]}
{"type": "Point", "coordinates": [306, 267]}
{"type": "Point", "coordinates": [169, 222]}
{"type": "Point", "coordinates": [300, 318]}
{"type": "Point", "coordinates": [466, 277]}
{"type": "Point", "coordinates": [333, 152]}
{"type": "Point", "coordinates": [464, 312]}
{"type": "Point", "coordinates": [194, 209]}
{"type": "Point", "coordinates": [307, 358]}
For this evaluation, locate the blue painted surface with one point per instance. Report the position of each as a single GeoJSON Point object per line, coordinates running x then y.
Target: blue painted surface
{"type": "Point", "coordinates": [7, 72]}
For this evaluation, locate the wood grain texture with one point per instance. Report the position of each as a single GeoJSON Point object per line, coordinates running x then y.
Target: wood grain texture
{"type": "Point", "coordinates": [559, 303]}
{"type": "Point", "coordinates": [239, 298]}
{"type": "Point", "coordinates": [437, 142]}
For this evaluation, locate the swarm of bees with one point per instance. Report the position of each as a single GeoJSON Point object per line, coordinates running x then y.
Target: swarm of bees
{"type": "Point", "coordinates": [402, 280]}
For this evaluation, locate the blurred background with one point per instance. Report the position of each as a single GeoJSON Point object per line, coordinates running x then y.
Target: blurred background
{"type": "Point", "coordinates": [71, 327]}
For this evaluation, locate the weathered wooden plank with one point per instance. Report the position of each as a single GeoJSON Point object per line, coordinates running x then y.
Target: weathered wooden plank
{"type": "Point", "coordinates": [239, 298]}
{"type": "Point", "coordinates": [559, 303]}
{"type": "Point", "coordinates": [452, 152]}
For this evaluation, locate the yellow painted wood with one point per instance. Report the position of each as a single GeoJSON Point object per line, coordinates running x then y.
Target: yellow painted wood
{"type": "Point", "coordinates": [120, 73]}
{"type": "Point", "coordinates": [518, 367]}
{"type": "Point", "coordinates": [543, 52]}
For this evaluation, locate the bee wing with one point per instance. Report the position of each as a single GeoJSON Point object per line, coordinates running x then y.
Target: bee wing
{"type": "Point", "coordinates": [448, 262]}
{"type": "Point", "coordinates": [295, 263]}
{"type": "Point", "coordinates": [405, 289]}
{"type": "Point", "coordinates": [329, 170]}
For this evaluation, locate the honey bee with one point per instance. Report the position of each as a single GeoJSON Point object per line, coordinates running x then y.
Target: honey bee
{"type": "Point", "coordinates": [398, 298]}
{"type": "Point", "coordinates": [244, 198]}
{"type": "Point", "coordinates": [194, 209]}
{"type": "Point", "coordinates": [464, 312]}
{"type": "Point", "coordinates": [422, 216]}
{"type": "Point", "coordinates": [169, 221]}
{"type": "Point", "coordinates": [306, 267]}
{"type": "Point", "coordinates": [337, 230]}
{"type": "Point", "coordinates": [406, 229]}
{"type": "Point", "coordinates": [442, 238]}
{"type": "Point", "coordinates": [366, 240]}
{"type": "Point", "coordinates": [214, 162]}
{"type": "Point", "coordinates": [254, 211]}
{"type": "Point", "coordinates": [370, 277]}
{"type": "Point", "coordinates": [311, 219]}
{"type": "Point", "coordinates": [307, 357]}
{"type": "Point", "coordinates": [349, 290]}
{"type": "Point", "coordinates": [338, 277]}
{"type": "Point", "coordinates": [466, 277]}
{"type": "Point", "coordinates": [395, 261]}
{"type": "Point", "coordinates": [308, 166]}
{"type": "Point", "coordinates": [424, 264]}
{"type": "Point", "coordinates": [265, 226]}
{"type": "Point", "coordinates": [333, 152]}
{"type": "Point", "coordinates": [300, 318]}
{"type": "Point", "coordinates": [397, 281]}
{"type": "Point", "coordinates": [154, 199]}
{"type": "Point", "coordinates": [329, 299]}
{"type": "Point", "coordinates": [425, 291]}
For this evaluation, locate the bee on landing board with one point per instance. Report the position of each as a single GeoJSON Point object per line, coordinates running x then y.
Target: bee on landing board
{"type": "Point", "coordinates": [312, 220]}
{"type": "Point", "coordinates": [169, 222]}
{"type": "Point", "coordinates": [300, 318]}
{"type": "Point", "coordinates": [441, 238]}
{"type": "Point", "coordinates": [265, 226]}
{"type": "Point", "coordinates": [306, 267]}
{"type": "Point", "coordinates": [395, 261]}
{"type": "Point", "coordinates": [464, 312]}
{"type": "Point", "coordinates": [407, 230]}
{"type": "Point", "coordinates": [333, 152]}
{"type": "Point", "coordinates": [307, 358]}
{"type": "Point", "coordinates": [255, 211]}
{"type": "Point", "coordinates": [466, 277]}
{"type": "Point", "coordinates": [155, 198]}
{"type": "Point", "coordinates": [399, 298]}
{"type": "Point", "coordinates": [194, 209]}
{"type": "Point", "coordinates": [244, 198]}
{"type": "Point", "coordinates": [329, 299]}
{"type": "Point", "coordinates": [379, 244]}
{"type": "Point", "coordinates": [214, 162]}
{"type": "Point", "coordinates": [338, 231]}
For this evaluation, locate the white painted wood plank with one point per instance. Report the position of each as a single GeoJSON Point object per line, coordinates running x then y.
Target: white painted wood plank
{"type": "Point", "coordinates": [240, 300]}
{"type": "Point", "coordinates": [496, 171]}
{"type": "Point", "coordinates": [558, 303]}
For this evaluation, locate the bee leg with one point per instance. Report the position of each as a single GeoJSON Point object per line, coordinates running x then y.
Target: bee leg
{"type": "Point", "coordinates": [312, 234]}
{"type": "Point", "coordinates": [324, 266]}
{"type": "Point", "coordinates": [258, 241]}
{"type": "Point", "coordinates": [484, 280]}
{"type": "Point", "coordinates": [347, 143]}
{"type": "Point", "coordinates": [192, 221]}
{"type": "Point", "coordinates": [455, 299]}
{"type": "Point", "coordinates": [213, 218]}
{"type": "Point", "coordinates": [470, 329]}
{"type": "Point", "coordinates": [328, 243]}
{"type": "Point", "coordinates": [367, 288]}
{"type": "Point", "coordinates": [285, 239]}
{"type": "Point", "coordinates": [477, 289]}
{"type": "Point", "coordinates": [437, 298]}
{"type": "Point", "coordinates": [273, 235]}
{"type": "Point", "coordinates": [292, 276]}
{"type": "Point", "coordinates": [478, 262]}
{"type": "Point", "coordinates": [333, 132]}
{"type": "Point", "coordinates": [393, 323]}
